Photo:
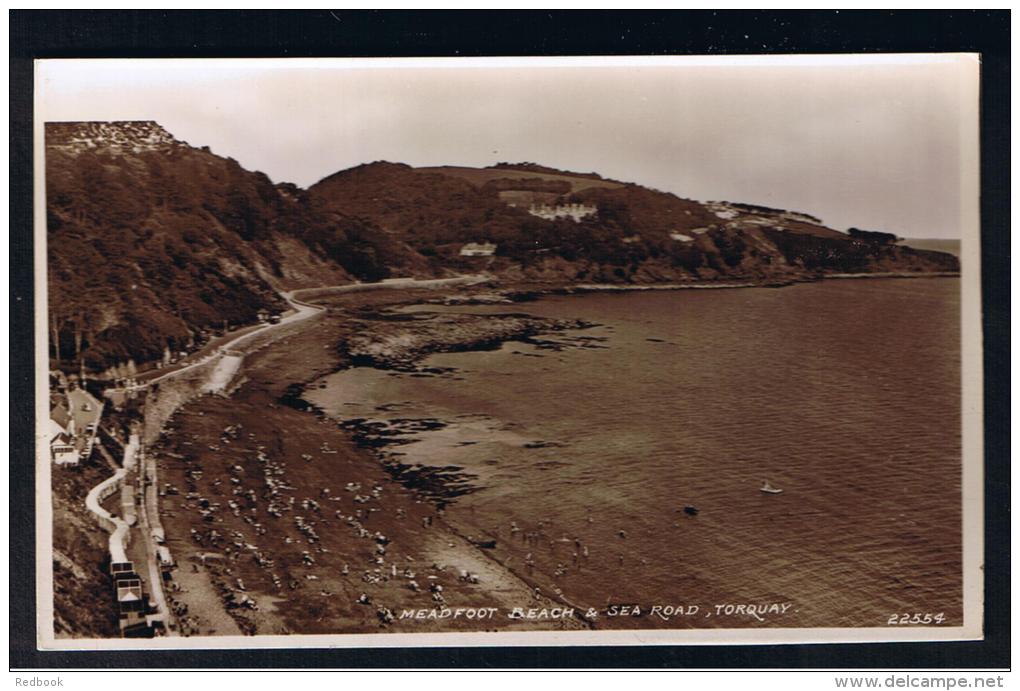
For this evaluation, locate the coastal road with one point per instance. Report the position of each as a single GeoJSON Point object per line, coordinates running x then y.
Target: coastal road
{"type": "Point", "coordinates": [301, 310]}
{"type": "Point", "coordinates": [394, 284]}
{"type": "Point", "coordinates": [230, 352]}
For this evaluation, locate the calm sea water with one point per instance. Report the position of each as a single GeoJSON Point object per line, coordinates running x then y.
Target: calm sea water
{"type": "Point", "coordinates": [845, 394]}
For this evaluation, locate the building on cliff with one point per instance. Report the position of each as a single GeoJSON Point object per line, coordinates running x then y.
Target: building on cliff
{"type": "Point", "coordinates": [478, 249]}
{"type": "Point", "coordinates": [574, 212]}
{"type": "Point", "coordinates": [118, 137]}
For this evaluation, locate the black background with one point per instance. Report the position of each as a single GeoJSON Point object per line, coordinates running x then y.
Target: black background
{"type": "Point", "coordinates": [99, 34]}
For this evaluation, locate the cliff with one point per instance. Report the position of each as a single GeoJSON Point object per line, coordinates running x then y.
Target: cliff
{"type": "Point", "coordinates": [154, 244]}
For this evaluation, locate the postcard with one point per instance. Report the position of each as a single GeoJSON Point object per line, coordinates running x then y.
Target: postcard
{"type": "Point", "coordinates": [508, 351]}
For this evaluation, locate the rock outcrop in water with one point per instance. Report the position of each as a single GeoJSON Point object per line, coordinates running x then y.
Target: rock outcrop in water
{"type": "Point", "coordinates": [401, 344]}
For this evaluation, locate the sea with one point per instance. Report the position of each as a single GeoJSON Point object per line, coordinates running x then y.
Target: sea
{"type": "Point", "coordinates": [621, 466]}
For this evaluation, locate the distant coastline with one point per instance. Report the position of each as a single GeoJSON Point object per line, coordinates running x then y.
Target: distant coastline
{"type": "Point", "coordinates": [949, 246]}
{"type": "Point", "coordinates": [587, 287]}
{"type": "Point", "coordinates": [492, 293]}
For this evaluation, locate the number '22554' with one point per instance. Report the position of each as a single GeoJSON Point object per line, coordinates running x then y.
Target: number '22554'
{"type": "Point", "coordinates": [908, 618]}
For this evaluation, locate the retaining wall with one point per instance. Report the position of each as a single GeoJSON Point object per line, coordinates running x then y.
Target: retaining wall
{"type": "Point", "coordinates": [171, 393]}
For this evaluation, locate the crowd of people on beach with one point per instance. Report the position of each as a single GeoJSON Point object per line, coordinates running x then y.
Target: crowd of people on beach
{"type": "Point", "coordinates": [258, 493]}
{"type": "Point", "coordinates": [537, 537]}
{"type": "Point", "coordinates": [245, 508]}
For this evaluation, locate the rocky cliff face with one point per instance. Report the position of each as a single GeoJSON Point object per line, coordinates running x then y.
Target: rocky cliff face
{"type": "Point", "coordinates": [153, 243]}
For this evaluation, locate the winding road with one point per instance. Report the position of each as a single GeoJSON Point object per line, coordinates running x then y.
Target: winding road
{"type": "Point", "coordinates": [230, 354]}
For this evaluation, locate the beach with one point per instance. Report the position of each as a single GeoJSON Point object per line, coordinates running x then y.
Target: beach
{"type": "Point", "coordinates": [409, 457]}
{"type": "Point", "coordinates": [281, 523]}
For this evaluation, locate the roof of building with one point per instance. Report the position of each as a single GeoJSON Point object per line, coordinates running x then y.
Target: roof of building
{"type": "Point", "coordinates": [60, 415]}
{"type": "Point", "coordinates": [56, 430]}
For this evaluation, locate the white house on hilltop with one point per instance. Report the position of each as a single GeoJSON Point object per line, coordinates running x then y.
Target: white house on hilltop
{"type": "Point", "coordinates": [572, 211]}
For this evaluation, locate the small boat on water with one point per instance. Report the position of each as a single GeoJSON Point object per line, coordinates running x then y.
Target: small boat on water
{"type": "Point", "coordinates": [767, 488]}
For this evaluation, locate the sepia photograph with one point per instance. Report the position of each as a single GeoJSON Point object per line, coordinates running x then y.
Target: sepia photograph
{"type": "Point", "coordinates": [508, 351]}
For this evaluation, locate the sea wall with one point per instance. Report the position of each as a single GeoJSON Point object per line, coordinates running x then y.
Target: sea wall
{"type": "Point", "coordinates": [225, 371]}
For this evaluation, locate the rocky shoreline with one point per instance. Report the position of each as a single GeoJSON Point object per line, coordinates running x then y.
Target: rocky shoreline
{"type": "Point", "coordinates": [399, 341]}
{"type": "Point", "coordinates": [283, 521]}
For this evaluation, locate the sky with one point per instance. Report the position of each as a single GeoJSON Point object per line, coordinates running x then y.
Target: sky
{"type": "Point", "coordinates": [878, 142]}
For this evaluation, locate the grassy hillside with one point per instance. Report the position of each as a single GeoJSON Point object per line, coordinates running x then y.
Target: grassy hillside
{"type": "Point", "coordinates": [480, 176]}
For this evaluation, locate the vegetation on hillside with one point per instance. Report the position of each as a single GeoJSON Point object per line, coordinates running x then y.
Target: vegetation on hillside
{"type": "Point", "coordinates": [153, 249]}
{"type": "Point", "coordinates": [872, 235]}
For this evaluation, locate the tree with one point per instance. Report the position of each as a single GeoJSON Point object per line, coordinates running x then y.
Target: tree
{"type": "Point", "coordinates": [55, 331]}
{"type": "Point", "coordinates": [872, 236]}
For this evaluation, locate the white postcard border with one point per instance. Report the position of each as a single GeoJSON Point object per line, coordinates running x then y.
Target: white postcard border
{"type": "Point", "coordinates": [972, 393]}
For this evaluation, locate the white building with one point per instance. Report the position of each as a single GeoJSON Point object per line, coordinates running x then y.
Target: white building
{"type": "Point", "coordinates": [572, 211]}
{"type": "Point", "coordinates": [478, 249]}
{"type": "Point", "coordinates": [62, 450]}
